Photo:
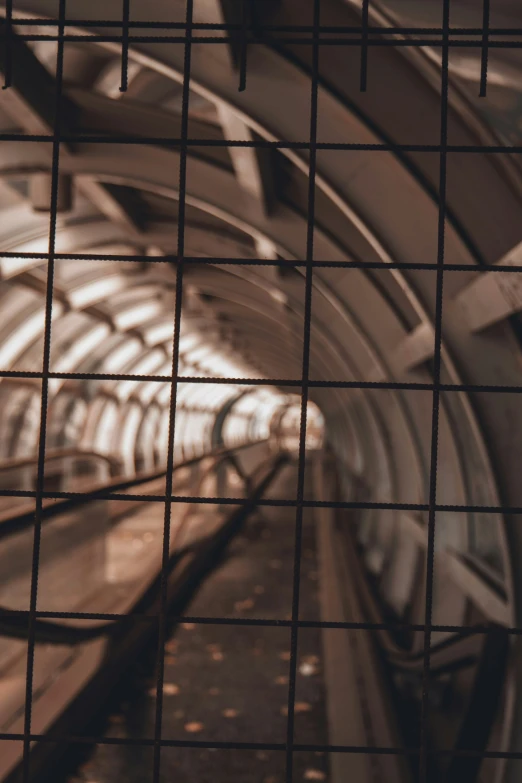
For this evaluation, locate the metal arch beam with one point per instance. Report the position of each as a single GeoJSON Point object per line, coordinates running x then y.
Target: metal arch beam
{"type": "Point", "coordinates": [425, 61]}
{"type": "Point", "coordinates": [327, 345]}
{"type": "Point", "coordinates": [408, 79]}
{"type": "Point", "coordinates": [221, 415]}
{"type": "Point", "coordinates": [254, 301]}
{"type": "Point", "coordinates": [30, 356]}
{"type": "Point", "coordinates": [152, 65]}
{"type": "Point", "coordinates": [30, 101]}
{"type": "Point", "coordinates": [94, 235]}
{"type": "Point", "coordinates": [265, 314]}
{"type": "Point", "coordinates": [109, 209]}
{"type": "Point", "coordinates": [96, 113]}
{"type": "Point", "coordinates": [233, 285]}
{"type": "Point", "coordinates": [468, 412]}
{"type": "Point", "coordinates": [146, 280]}
{"type": "Point", "coordinates": [125, 410]}
{"type": "Point", "coordinates": [155, 172]}
{"type": "Point", "coordinates": [253, 167]}
{"type": "Point", "coordinates": [210, 277]}
{"type": "Point", "coordinates": [274, 354]}
{"type": "Point", "coordinates": [245, 227]}
{"type": "Point", "coordinates": [89, 361]}
{"type": "Point", "coordinates": [159, 273]}
{"type": "Point", "coordinates": [105, 396]}
{"type": "Point", "coordinates": [415, 349]}
{"type": "Point", "coordinates": [168, 70]}
{"type": "Point", "coordinates": [224, 291]}
{"type": "Point", "coordinates": [115, 204]}
{"type": "Point", "coordinates": [492, 296]}
{"type": "Point", "coordinates": [32, 98]}
{"type": "Point", "coordinates": [215, 87]}
{"type": "Point", "coordinates": [412, 426]}
{"type": "Point", "coordinates": [103, 166]}
{"type": "Point", "coordinates": [455, 568]}
{"type": "Point", "coordinates": [201, 82]}
{"type": "Point", "coordinates": [211, 84]}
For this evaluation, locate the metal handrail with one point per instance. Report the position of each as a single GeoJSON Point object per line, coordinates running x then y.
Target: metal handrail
{"type": "Point", "coordinates": [14, 623]}
{"type": "Point", "coordinates": [481, 711]}
{"type": "Point", "coordinates": [52, 455]}
{"type": "Point", "coordinates": [486, 647]}
{"type": "Point", "coordinates": [457, 651]}
{"type": "Point", "coordinates": [15, 521]}
{"type": "Point", "coordinates": [399, 656]}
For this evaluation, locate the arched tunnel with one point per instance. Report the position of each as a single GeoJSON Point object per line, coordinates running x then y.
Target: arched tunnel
{"type": "Point", "coordinates": [259, 297]}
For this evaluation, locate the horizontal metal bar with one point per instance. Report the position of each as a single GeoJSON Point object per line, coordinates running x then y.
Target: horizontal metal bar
{"type": "Point", "coordinates": [280, 263]}
{"type": "Point", "coordinates": [174, 141]}
{"type": "Point", "coordinates": [275, 746]}
{"type": "Point", "coordinates": [292, 382]}
{"type": "Point", "coordinates": [268, 39]}
{"type": "Point", "coordinates": [224, 27]}
{"type": "Point", "coordinates": [460, 630]}
{"type": "Point", "coordinates": [274, 503]}
{"type": "Point", "coordinates": [238, 261]}
{"type": "Point", "coordinates": [16, 520]}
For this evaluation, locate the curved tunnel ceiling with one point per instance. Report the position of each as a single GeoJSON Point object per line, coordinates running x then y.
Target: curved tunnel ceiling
{"type": "Point", "coordinates": [376, 208]}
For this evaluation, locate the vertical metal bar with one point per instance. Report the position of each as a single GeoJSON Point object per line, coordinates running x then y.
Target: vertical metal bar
{"type": "Point", "coordinates": [305, 375]}
{"type": "Point", "coordinates": [45, 393]}
{"type": "Point", "coordinates": [125, 46]}
{"type": "Point", "coordinates": [8, 73]}
{"type": "Point", "coordinates": [174, 389]}
{"type": "Point", "coordinates": [244, 46]}
{"type": "Point", "coordinates": [364, 44]}
{"type": "Point", "coordinates": [485, 50]}
{"type": "Point", "coordinates": [423, 757]}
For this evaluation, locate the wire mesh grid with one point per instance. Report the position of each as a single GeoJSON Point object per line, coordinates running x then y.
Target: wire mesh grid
{"type": "Point", "coordinates": [316, 36]}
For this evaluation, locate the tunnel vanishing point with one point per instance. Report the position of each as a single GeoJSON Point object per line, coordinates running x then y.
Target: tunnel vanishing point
{"type": "Point", "coordinates": [260, 266]}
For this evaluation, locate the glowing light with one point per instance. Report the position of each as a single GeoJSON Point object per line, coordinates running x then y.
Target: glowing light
{"type": "Point", "coordinates": [105, 426]}
{"type": "Point", "coordinates": [10, 267]}
{"type": "Point", "coordinates": [195, 355]}
{"type": "Point", "coordinates": [128, 437]}
{"type": "Point", "coordinates": [188, 341]}
{"type": "Point", "coordinates": [212, 396]}
{"type": "Point", "coordinates": [221, 367]}
{"type": "Point", "coordinates": [164, 395]}
{"type": "Point", "coordinates": [22, 336]}
{"type": "Point", "coordinates": [160, 333]}
{"type": "Point", "coordinates": [150, 390]}
{"type": "Point", "coordinates": [81, 348]}
{"type": "Point", "coordinates": [123, 354]}
{"type": "Point", "coordinates": [135, 316]}
{"type": "Point", "coordinates": [147, 365]}
{"type": "Point", "coordinates": [279, 296]}
{"type": "Point", "coordinates": [96, 291]}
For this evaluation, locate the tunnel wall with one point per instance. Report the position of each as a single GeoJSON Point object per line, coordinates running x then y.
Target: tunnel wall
{"type": "Point", "coordinates": [379, 244]}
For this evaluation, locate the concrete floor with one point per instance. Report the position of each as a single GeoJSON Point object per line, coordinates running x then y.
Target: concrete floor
{"type": "Point", "coordinates": [228, 683]}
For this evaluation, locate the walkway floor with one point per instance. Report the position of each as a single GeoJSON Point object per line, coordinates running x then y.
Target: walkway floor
{"type": "Point", "coordinates": [229, 683]}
